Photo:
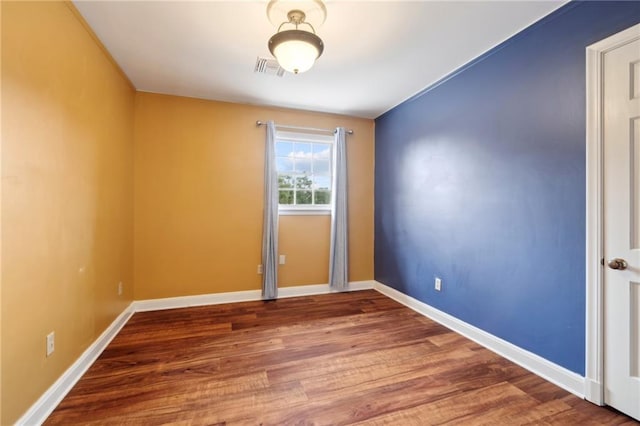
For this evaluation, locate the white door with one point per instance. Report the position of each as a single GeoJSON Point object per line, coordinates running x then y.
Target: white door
{"type": "Point", "coordinates": [622, 228]}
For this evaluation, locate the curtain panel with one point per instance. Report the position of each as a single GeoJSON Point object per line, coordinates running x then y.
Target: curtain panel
{"type": "Point", "coordinates": [339, 251]}
{"type": "Point", "coordinates": [270, 217]}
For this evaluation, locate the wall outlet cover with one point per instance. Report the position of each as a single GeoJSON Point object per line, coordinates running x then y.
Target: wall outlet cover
{"type": "Point", "coordinates": [51, 345]}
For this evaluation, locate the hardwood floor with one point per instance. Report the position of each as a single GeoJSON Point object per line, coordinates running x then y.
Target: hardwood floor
{"type": "Point", "coordinates": [348, 358]}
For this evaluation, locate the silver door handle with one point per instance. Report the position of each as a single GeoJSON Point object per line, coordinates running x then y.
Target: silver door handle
{"type": "Point", "coordinates": [617, 263]}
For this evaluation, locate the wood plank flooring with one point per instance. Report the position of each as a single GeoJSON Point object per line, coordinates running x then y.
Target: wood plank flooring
{"type": "Point", "coordinates": [338, 359]}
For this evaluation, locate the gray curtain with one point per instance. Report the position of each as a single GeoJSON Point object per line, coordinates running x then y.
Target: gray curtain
{"type": "Point", "coordinates": [339, 254]}
{"type": "Point", "coordinates": [270, 218]}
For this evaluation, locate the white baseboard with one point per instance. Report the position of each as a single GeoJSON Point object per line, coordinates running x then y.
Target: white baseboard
{"type": "Point", "coordinates": [199, 300]}
{"type": "Point", "coordinates": [544, 368]}
{"type": "Point", "coordinates": [310, 290]}
{"type": "Point", "coordinates": [38, 413]}
{"type": "Point", "coordinates": [240, 296]}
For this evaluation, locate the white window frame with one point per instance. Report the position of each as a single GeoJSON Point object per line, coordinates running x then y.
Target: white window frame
{"type": "Point", "coordinates": [316, 138]}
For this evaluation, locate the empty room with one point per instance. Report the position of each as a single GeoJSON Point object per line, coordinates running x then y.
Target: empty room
{"type": "Point", "coordinates": [320, 212]}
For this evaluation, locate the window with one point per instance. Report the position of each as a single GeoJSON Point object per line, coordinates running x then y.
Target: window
{"type": "Point", "coordinates": [304, 169]}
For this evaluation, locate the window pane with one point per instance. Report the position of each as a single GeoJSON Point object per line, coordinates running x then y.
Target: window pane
{"type": "Point", "coordinates": [286, 197]}
{"type": "Point", "coordinates": [302, 150]}
{"type": "Point", "coordinates": [303, 165]}
{"type": "Point", "coordinates": [304, 173]}
{"type": "Point", "coordinates": [285, 181]}
{"type": "Point", "coordinates": [284, 164]}
{"type": "Point", "coordinates": [322, 197]}
{"type": "Point", "coordinates": [303, 182]}
{"type": "Point", "coordinates": [321, 166]}
{"type": "Point", "coordinates": [321, 151]}
{"type": "Point", "coordinates": [284, 149]}
{"type": "Point", "coordinates": [321, 182]}
{"type": "Point", "coordinates": [303, 197]}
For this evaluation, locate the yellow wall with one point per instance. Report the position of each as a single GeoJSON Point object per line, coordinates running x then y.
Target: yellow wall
{"type": "Point", "coordinates": [73, 133]}
{"type": "Point", "coordinates": [0, 215]}
{"type": "Point", "coordinates": [67, 195]}
{"type": "Point", "coordinates": [198, 199]}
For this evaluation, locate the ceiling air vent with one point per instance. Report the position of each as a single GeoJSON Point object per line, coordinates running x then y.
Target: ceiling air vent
{"type": "Point", "coordinates": [268, 66]}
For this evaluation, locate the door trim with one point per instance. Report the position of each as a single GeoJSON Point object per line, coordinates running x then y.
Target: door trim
{"type": "Point", "coordinates": [594, 336]}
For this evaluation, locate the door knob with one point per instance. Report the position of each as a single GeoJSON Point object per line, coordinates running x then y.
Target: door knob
{"type": "Point", "coordinates": [618, 264]}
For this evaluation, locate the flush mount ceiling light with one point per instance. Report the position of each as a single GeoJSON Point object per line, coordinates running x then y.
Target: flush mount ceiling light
{"type": "Point", "coordinates": [296, 49]}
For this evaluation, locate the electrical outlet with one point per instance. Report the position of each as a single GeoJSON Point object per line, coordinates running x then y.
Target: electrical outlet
{"type": "Point", "coordinates": [259, 269]}
{"type": "Point", "coordinates": [438, 285]}
{"type": "Point", "coordinates": [283, 259]}
{"type": "Point", "coordinates": [120, 288]}
{"type": "Point", "coordinates": [51, 343]}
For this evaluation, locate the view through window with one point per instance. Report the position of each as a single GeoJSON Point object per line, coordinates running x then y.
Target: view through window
{"type": "Point", "coordinates": [304, 170]}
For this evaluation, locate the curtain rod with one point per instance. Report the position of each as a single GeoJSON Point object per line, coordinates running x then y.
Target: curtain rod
{"type": "Point", "coordinates": [260, 123]}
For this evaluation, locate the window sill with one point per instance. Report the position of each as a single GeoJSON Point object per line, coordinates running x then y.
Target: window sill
{"type": "Point", "coordinates": [304, 212]}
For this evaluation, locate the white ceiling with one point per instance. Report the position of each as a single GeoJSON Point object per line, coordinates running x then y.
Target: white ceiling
{"type": "Point", "coordinates": [377, 53]}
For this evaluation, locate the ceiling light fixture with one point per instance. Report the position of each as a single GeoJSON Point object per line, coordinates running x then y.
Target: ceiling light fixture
{"type": "Point", "coordinates": [296, 50]}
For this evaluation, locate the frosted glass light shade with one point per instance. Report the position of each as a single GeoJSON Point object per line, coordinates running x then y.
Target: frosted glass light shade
{"type": "Point", "coordinates": [295, 56]}
{"type": "Point", "coordinates": [296, 50]}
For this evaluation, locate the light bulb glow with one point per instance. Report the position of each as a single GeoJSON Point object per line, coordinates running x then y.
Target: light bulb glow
{"type": "Point", "coordinates": [296, 50]}
{"type": "Point", "coordinates": [295, 56]}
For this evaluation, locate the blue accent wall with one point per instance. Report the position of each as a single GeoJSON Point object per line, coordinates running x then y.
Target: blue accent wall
{"type": "Point", "coordinates": [480, 180]}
